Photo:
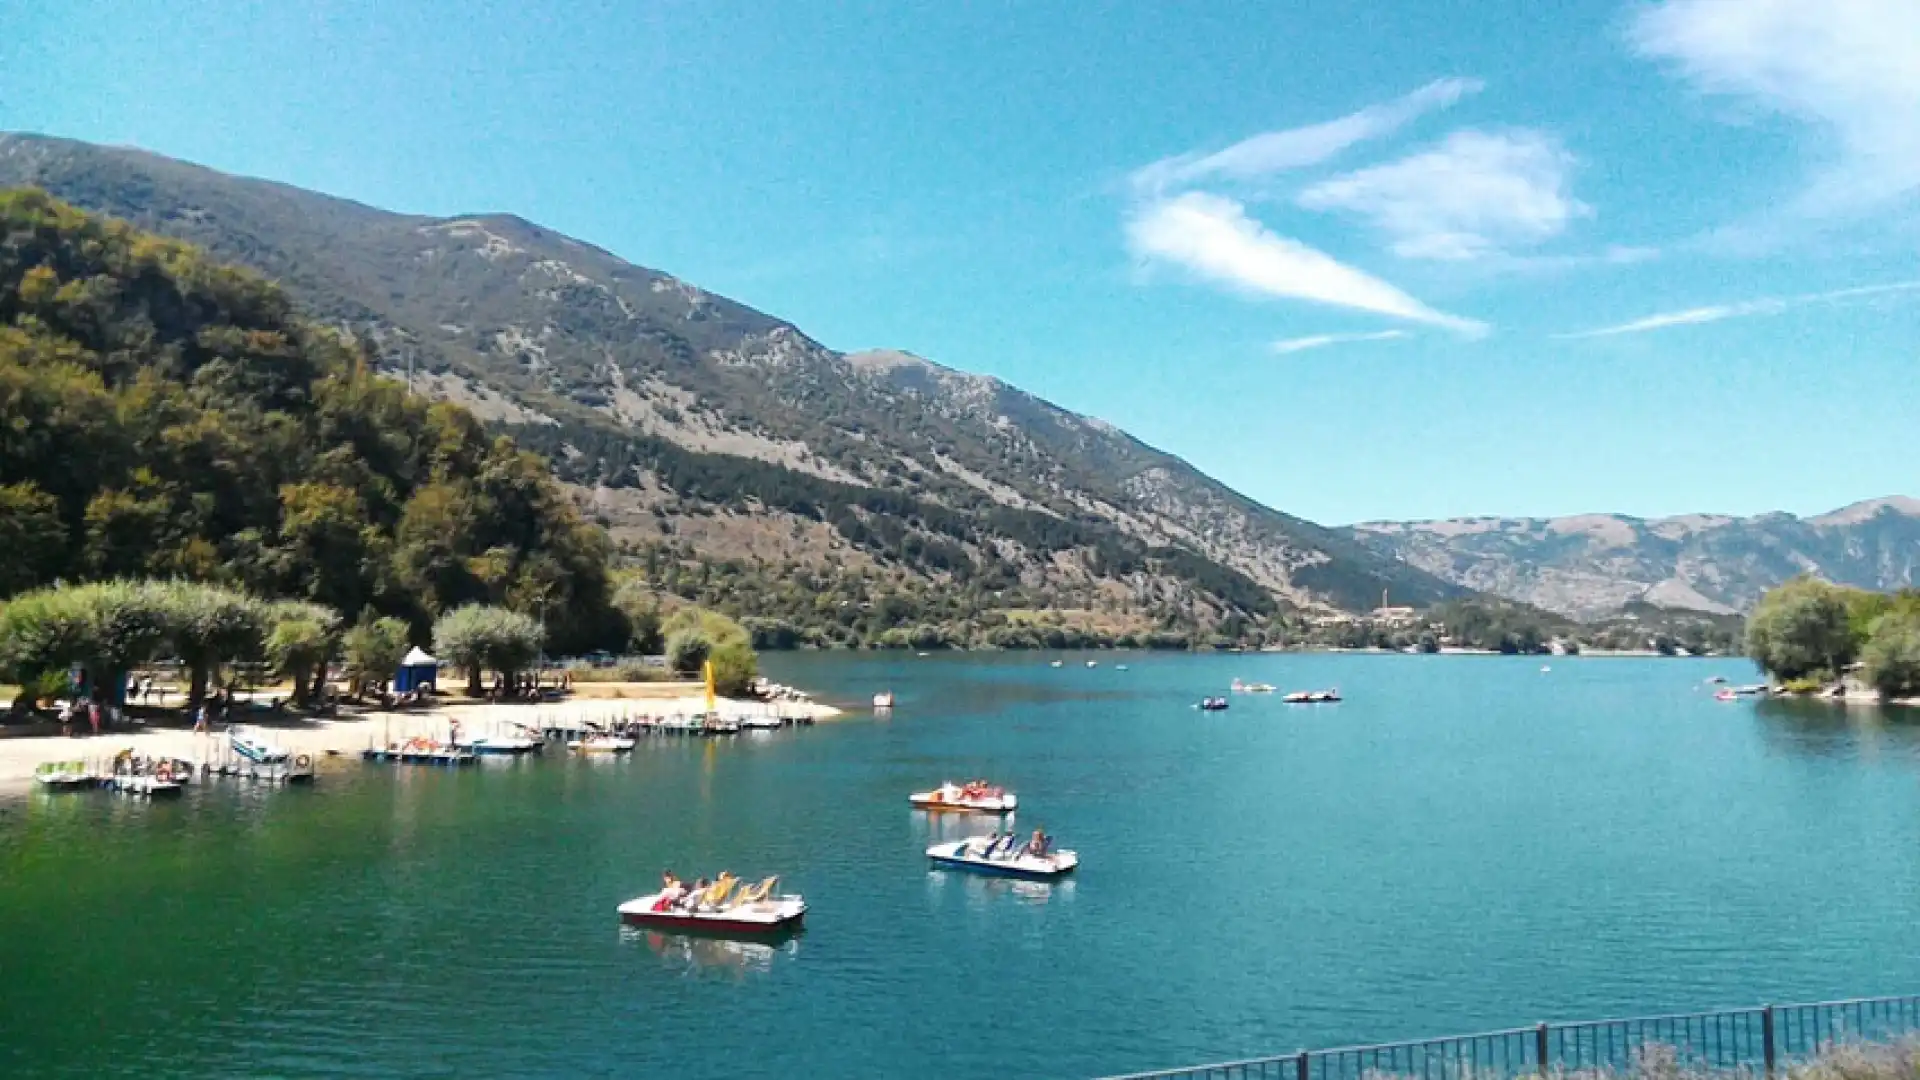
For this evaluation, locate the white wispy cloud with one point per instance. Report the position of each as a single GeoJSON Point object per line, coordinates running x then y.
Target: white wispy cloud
{"type": "Point", "coordinates": [1770, 305]}
{"type": "Point", "coordinates": [1213, 236]}
{"type": "Point", "coordinates": [1474, 194]}
{"type": "Point", "coordinates": [1317, 341]}
{"type": "Point", "coordinates": [1294, 148]}
{"type": "Point", "coordinates": [1851, 67]}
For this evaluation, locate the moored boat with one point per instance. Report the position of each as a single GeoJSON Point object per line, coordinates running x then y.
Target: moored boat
{"type": "Point", "coordinates": [250, 745]}
{"type": "Point", "coordinates": [758, 912]}
{"type": "Point", "coordinates": [602, 744]}
{"type": "Point", "coordinates": [1311, 697]}
{"type": "Point", "coordinates": [971, 798]}
{"type": "Point", "coordinates": [65, 776]}
{"type": "Point", "coordinates": [883, 700]}
{"type": "Point", "coordinates": [762, 723]}
{"type": "Point", "coordinates": [975, 855]}
{"type": "Point", "coordinates": [501, 745]}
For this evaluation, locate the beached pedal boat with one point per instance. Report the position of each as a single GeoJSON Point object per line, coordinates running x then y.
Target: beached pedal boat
{"type": "Point", "coordinates": [256, 749]}
{"type": "Point", "coordinates": [967, 855]}
{"type": "Point", "coordinates": [953, 799]}
{"type": "Point", "coordinates": [774, 915]}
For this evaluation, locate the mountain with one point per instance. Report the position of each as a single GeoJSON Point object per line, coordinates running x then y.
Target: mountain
{"type": "Point", "coordinates": [688, 420]}
{"type": "Point", "coordinates": [1593, 564]}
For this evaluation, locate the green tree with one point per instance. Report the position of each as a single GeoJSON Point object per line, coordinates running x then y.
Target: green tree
{"type": "Point", "coordinates": [32, 536]}
{"type": "Point", "coordinates": [208, 626]}
{"type": "Point", "coordinates": [688, 649]}
{"type": "Point", "coordinates": [1801, 630]}
{"type": "Point", "coordinates": [302, 639]}
{"type": "Point", "coordinates": [373, 650]}
{"type": "Point", "coordinates": [1890, 661]}
{"type": "Point", "coordinates": [478, 637]}
{"type": "Point", "coordinates": [734, 668]}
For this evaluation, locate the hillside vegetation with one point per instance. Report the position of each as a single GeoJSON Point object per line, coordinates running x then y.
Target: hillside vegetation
{"type": "Point", "coordinates": [165, 416]}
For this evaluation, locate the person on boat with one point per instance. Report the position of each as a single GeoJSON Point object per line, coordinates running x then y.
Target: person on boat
{"type": "Point", "coordinates": [691, 897]}
{"type": "Point", "coordinates": [1039, 844]}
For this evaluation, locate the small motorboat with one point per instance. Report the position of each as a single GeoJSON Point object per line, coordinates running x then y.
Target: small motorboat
{"type": "Point", "coordinates": [1751, 690]}
{"type": "Point", "coordinates": [1213, 704]}
{"type": "Point", "coordinates": [762, 723]}
{"type": "Point", "coordinates": [716, 724]}
{"type": "Point", "coordinates": [756, 912]}
{"type": "Point", "coordinates": [972, 855]}
{"type": "Point", "coordinates": [146, 785]}
{"type": "Point", "coordinates": [65, 776]}
{"type": "Point", "coordinates": [1056, 663]}
{"type": "Point", "coordinates": [1725, 695]}
{"type": "Point", "coordinates": [1252, 688]}
{"type": "Point", "coordinates": [1120, 667]}
{"type": "Point", "coordinates": [603, 744]}
{"type": "Point", "coordinates": [1311, 697]}
{"type": "Point", "coordinates": [501, 745]}
{"type": "Point", "coordinates": [1093, 663]}
{"type": "Point", "coordinates": [953, 797]}
{"type": "Point", "coordinates": [1715, 680]}
{"type": "Point", "coordinates": [256, 749]}
{"type": "Point", "coordinates": [883, 700]}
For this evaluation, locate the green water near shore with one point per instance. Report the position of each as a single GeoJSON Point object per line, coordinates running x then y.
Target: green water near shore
{"type": "Point", "coordinates": [1464, 842]}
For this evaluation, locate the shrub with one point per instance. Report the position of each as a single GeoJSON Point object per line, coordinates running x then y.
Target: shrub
{"type": "Point", "coordinates": [688, 649]}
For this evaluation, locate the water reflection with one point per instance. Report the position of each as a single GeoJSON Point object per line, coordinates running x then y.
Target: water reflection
{"type": "Point", "coordinates": [982, 888]}
{"type": "Point", "coordinates": [1827, 729]}
{"type": "Point", "coordinates": [693, 955]}
{"type": "Point", "coordinates": [941, 828]}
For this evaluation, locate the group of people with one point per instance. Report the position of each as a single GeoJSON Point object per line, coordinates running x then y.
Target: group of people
{"type": "Point", "coordinates": [677, 895]}
{"type": "Point", "coordinates": [980, 789]}
{"type": "Point", "coordinates": [92, 712]}
{"type": "Point", "coordinates": [1007, 845]}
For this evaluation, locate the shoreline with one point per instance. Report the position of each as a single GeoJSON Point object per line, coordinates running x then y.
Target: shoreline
{"type": "Point", "coordinates": [346, 736]}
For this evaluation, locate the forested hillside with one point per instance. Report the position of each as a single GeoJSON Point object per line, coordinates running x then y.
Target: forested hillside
{"type": "Point", "coordinates": [162, 415]}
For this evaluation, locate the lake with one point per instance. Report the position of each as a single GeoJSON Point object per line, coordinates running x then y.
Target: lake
{"type": "Point", "coordinates": [1464, 843]}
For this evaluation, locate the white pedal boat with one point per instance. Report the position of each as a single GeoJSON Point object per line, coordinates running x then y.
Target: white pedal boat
{"type": "Point", "coordinates": [774, 915]}
{"type": "Point", "coordinates": [970, 855]}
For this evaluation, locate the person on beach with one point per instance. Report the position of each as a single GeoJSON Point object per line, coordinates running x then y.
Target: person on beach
{"type": "Point", "coordinates": [66, 719]}
{"type": "Point", "coordinates": [200, 718]}
{"type": "Point", "coordinates": [93, 716]}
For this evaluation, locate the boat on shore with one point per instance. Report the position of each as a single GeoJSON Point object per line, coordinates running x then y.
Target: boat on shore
{"type": "Point", "coordinates": [1311, 697]}
{"type": "Point", "coordinates": [756, 912]}
{"type": "Point", "coordinates": [65, 776]}
{"type": "Point", "coordinates": [970, 798]}
{"type": "Point", "coordinates": [250, 745]}
{"type": "Point", "coordinates": [974, 855]}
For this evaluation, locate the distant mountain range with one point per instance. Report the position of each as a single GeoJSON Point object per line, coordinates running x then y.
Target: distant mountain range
{"type": "Point", "coordinates": [1593, 564]}
{"type": "Point", "coordinates": [680, 413]}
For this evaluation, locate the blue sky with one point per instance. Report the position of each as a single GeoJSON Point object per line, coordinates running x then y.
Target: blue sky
{"type": "Point", "coordinates": [1430, 258]}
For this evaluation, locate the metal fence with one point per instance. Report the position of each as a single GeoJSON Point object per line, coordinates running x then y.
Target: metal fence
{"type": "Point", "coordinates": [1752, 1040]}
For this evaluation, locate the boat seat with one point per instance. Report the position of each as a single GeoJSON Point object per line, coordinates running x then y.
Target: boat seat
{"type": "Point", "coordinates": [753, 894]}
{"type": "Point", "coordinates": [717, 894]}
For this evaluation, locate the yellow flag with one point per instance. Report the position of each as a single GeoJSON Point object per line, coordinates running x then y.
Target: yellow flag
{"type": "Point", "coordinates": [709, 686]}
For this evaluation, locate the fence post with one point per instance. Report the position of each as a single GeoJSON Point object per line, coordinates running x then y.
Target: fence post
{"type": "Point", "coordinates": [1766, 1036]}
{"type": "Point", "coordinates": [1300, 1066]}
{"type": "Point", "coordinates": [1540, 1047]}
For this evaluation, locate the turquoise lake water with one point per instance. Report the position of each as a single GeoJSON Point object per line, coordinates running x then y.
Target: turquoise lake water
{"type": "Point", "coordinates": [1463, 843]}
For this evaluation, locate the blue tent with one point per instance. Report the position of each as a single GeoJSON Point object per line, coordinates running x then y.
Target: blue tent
{"type": "Point", "coordinates": [418, 671]}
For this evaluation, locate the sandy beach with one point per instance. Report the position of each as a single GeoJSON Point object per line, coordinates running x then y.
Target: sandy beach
{"type": "Point", "coordinates": [22, 751]}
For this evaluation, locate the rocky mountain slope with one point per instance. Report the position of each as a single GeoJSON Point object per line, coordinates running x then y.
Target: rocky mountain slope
{"type": "Point", "coordinates": [1593, 564]}
{"type": "Point", "coordinates": [683, 414]}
